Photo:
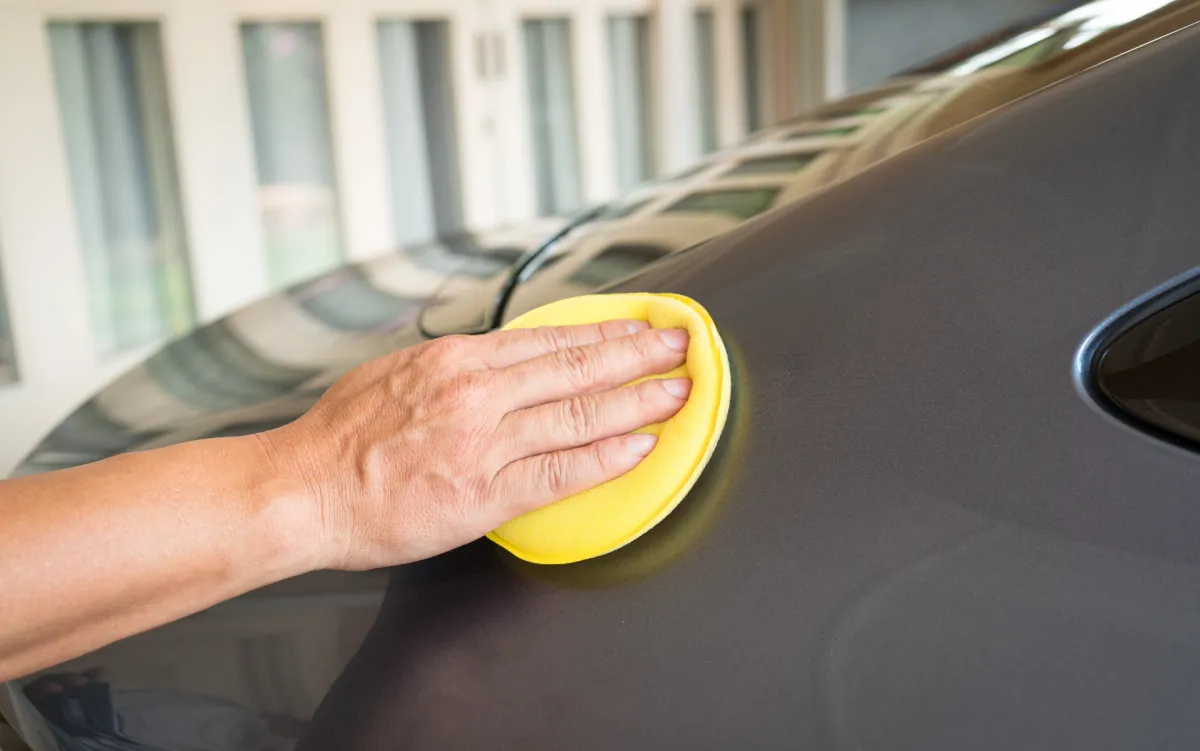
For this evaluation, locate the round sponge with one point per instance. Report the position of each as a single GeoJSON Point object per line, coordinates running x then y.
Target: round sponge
{"type": "Point", "coordinates": [602, 519]}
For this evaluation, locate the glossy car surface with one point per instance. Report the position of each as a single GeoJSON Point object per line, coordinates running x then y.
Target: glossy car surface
{"type": "Point", "coordinates": [929, 524]}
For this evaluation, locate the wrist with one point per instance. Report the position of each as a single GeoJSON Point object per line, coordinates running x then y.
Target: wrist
{"type": "Point", "coordinates": [281, 508]}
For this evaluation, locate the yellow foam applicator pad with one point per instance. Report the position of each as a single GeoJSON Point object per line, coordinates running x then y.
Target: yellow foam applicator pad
{"type": "Point", "coordinates": [614, 514]}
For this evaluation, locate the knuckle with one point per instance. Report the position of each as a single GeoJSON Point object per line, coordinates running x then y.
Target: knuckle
{"type": "Point", "coordinates": [580, 416]}
{"type": "Point", "coordinates": [613, 329]}
{"type": "Point", "coordinates": [644, 346]}
{"type": "Point", "coordinates": [448, 350]}
{"type": "Point", "coordinates": [646, 396]}
{"type": "Point", "coordinates": [465, 391]}
{"type": "Point", "coordinates": [551, 338]}
{"type": "Point", "coordinates": [580, 366]}
{"type": "Point", "coordinates": [648, 400]}
{"type": "Point", "coordinates": [555, 474]}
{"type": "Point", "coordinates": [605, 459]}
{"type": "Point", "coordinates": [477, 489]}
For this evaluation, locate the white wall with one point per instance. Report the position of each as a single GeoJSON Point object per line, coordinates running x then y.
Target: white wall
{"type": "Point", "coordinates": [39, 245]}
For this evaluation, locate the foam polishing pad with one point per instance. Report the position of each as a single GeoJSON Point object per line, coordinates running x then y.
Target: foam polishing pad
{"type": "Point", "coordinates": [611, 515]}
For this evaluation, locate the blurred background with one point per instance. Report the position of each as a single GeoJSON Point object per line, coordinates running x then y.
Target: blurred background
{"type": "Point", "coordinates": [163, 164]}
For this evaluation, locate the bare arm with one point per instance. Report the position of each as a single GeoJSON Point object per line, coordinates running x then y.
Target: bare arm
{"type": "Point", "coordinates": [403, 458]}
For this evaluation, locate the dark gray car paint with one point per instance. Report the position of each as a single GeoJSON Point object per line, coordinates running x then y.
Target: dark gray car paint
{"type": "Point", "coordinates": [917, 533]}
{"type": "Point", "coordinates": [929, 539]}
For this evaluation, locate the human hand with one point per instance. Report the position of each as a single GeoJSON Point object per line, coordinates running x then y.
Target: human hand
{"type": "Point", "coordinates": [433, 446]}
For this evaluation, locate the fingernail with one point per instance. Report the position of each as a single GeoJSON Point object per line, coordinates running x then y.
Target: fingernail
{"type": "Point", "coordinates": [676, 339]}
{"type": "Point", "coordinates": [633, 327]}
{"type": "Point", "coordinates": [678, 387]}
{"type": "Point", "coordinates": [640, 444]}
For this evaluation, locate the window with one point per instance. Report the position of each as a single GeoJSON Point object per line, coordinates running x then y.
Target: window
{"type": "Point", "coordinates": [417, 98]}
{"type": "Point", "coordinates": [8, 357]}
{"type": "Point", "coordinates": [825, 132]}
{"type": "Point", "coordinates": [616, 262]}
{"type": "Point", "coordinates": [116, 122]}
{"type": "Point", "coordinates": [752, 67]}
{"type": "Point", "coordinates": [289, 111]}
{"type": "Point", "coordinates": [1148, 368]}
{"type": "Point", "coordinates": [738, 203]}
{"type": "Point", "coordinates": [706, 79]}
{"type": "Point", "coordinates": [552, 116]}
{"type": "Point", "coordinates": [633, 127]}
{"type": "Point", "coordinates": [770, 165]}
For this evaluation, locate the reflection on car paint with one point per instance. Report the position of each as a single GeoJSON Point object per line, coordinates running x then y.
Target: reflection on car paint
{"type": "Point", "coordinates": [616, 262]}
{"type": "Point", "coordinates": [265, 352]}
{"type": "Point", "coordinates": [1067, 31]}
{"type": "Point", "coordinates": [769, 165]}
{"type": "Point", "coordinates": [738, 203]}
{"type": "Point", "coordinates": [843, 130]}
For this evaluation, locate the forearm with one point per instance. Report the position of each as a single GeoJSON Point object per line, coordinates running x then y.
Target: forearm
{"type": "Point", "coordinates": [403, 458]}
{"type": "Point", "coordinates": [96, 553]}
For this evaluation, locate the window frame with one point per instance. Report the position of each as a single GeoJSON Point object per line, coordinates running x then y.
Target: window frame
{"type": "Point", "coordinates": [1089, 357]}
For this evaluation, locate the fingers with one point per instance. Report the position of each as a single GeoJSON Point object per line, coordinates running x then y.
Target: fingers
{"type": "Point", "coordinates": [505, 348]}
{"type": "Point", "coordinates": [540, 480]}
{"type": "Point", "coordinates": [581, 420]}
{"type": "Point", "coordinates": [591, 368]}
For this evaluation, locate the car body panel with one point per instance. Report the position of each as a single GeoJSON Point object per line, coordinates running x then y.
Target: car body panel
{"type": "Point", "coordinates": [926, 538]}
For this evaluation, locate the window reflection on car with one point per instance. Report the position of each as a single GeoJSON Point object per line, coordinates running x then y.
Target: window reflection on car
{"type": "Point", "coordinates": [774, 164]}
{"type": "Point", "coordinates": [740, 203]}
{"type": "Point", "coordinates": [843, 130]}
{"type": "Point", "coordinates": [690, 172]}
{"type": "Point", "coordinates": [1063, 32]}
{"type": "Point", "coordinates": [616, 263]}
{"type": "Point", "coordinates": [620, 209]}
{"type": "Point", "coordinates": [784, 151]}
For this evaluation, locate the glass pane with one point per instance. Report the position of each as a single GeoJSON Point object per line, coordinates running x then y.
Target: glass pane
{"type": "Point", "coordinates": [116, 123]}
{"type": "Point", "coordinates": [629, 51]}
{"type": "Point", "coordinates": [1151, 369]}
{"type": "Point", "coordinates": [706, 80]}
{"type": "Point", "coordinates": [289, 110]}
{"type": "Point", "coordinates": [552, 116]}
{"type": "Point", "coordinates": [764, 165]}
{"type": "Point", "coordinates": [752, 68]}
{"type": "Point", "coordinates": [419, 118]}
{"type": "Point", "coordinates": [740, 204]}
{"type": "Point", "coordinates": [8, 356]}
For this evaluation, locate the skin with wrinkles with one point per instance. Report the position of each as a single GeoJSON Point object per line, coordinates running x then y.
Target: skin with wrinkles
{"type": "Point", "coordinates": [403, 458]}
